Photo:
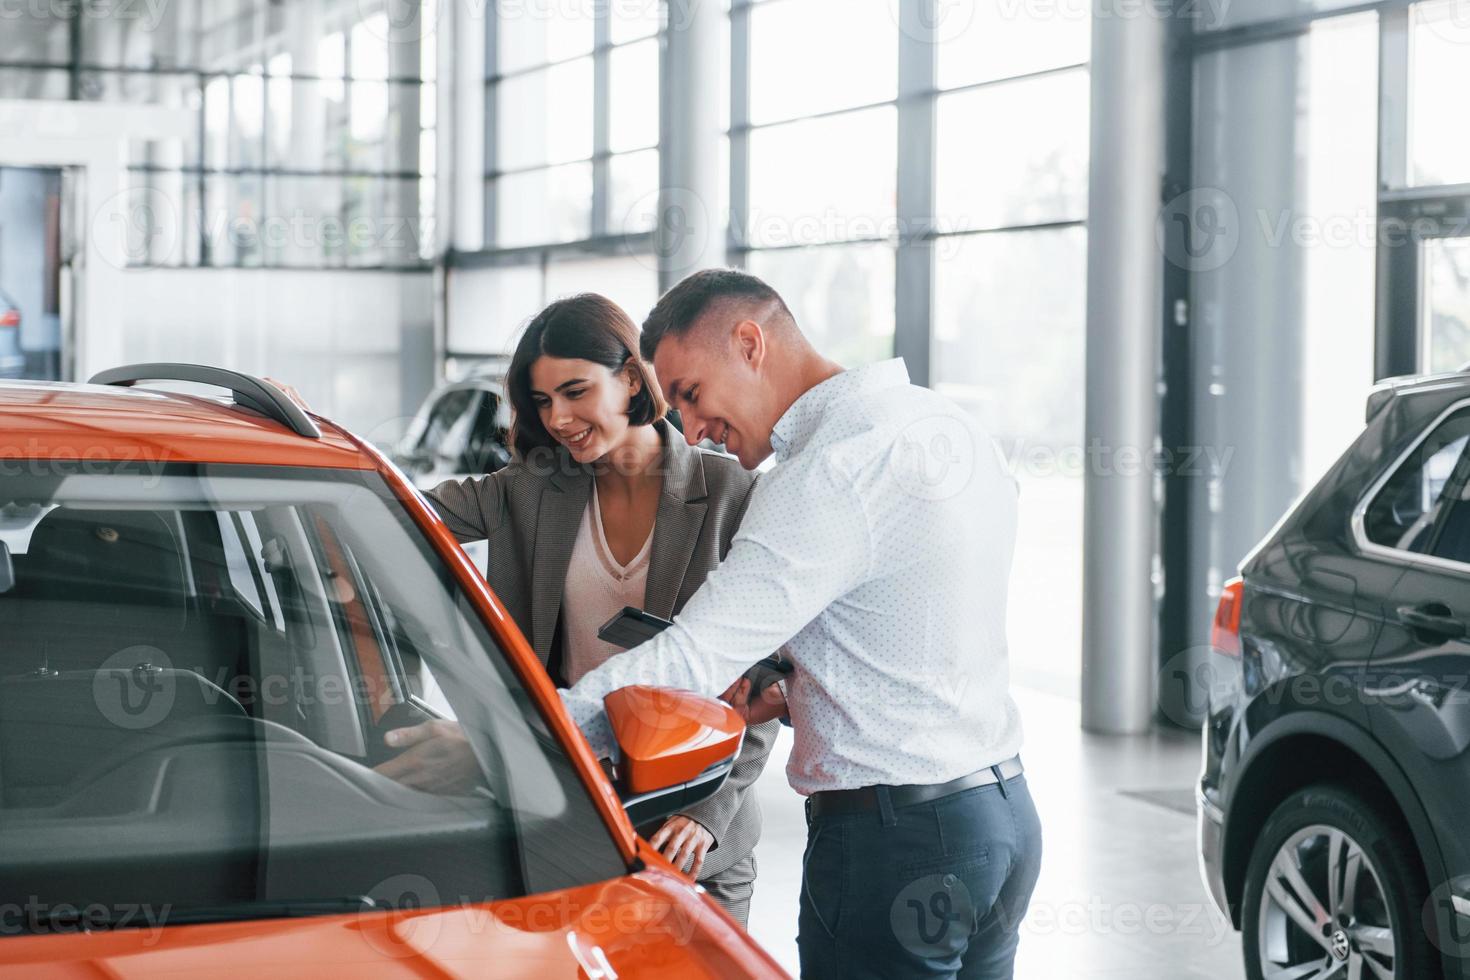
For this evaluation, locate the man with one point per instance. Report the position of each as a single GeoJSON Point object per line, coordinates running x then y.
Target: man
{"type": "Point", "coordinates": [877, 551]}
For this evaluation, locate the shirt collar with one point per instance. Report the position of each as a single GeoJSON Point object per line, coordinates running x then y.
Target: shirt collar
{"type": "Point", "coordinates": [795, 427]}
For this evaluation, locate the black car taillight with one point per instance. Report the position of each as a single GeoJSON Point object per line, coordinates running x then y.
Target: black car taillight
{"type": "Point", "coordinates": [1225, 636]}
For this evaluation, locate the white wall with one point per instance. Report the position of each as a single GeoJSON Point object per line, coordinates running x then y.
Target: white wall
{"type": "Point", "coordinates": [357, 344]}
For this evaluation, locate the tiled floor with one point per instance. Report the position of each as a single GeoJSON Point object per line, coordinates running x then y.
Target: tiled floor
{"type": "Point", "coordinates": [1120, 894]}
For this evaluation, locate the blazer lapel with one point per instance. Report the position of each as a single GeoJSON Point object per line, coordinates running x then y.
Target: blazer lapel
{"type": "Point", "coordinates": [681, 511]}
{"type": "Point", "coordinates": [563, 502]}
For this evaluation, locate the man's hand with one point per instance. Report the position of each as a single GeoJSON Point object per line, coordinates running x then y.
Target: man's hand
{"type": "Point", "coordinates": [769, 705]}
{"type": "Point", "coordinates": [682, 841]}
{"type": "Point", "coordinates": [439, 759]}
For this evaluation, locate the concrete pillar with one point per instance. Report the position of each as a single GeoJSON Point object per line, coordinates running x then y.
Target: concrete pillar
{"type": "Point", "coordinates": [1124, 284]}
{"type": "Point", "coordinates": [690, 235]}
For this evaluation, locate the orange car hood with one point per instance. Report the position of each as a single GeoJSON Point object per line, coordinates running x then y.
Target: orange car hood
{"type": "Point", "coordinates": [650, 924]}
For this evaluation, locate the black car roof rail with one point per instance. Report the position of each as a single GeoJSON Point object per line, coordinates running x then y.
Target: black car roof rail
{"type": "Point", "coordinates": [249, 392]}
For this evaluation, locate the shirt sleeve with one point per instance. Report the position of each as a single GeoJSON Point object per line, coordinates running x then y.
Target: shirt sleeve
{"type": "Point", "coordinates": [805, 542]}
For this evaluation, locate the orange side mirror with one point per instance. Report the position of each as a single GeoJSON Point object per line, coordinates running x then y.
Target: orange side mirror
{"type": "Point", "coordinates": [669, 739]}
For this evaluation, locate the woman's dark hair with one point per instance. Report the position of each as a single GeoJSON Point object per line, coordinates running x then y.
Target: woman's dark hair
{"type": "Point", "coordinates": [585, 327]}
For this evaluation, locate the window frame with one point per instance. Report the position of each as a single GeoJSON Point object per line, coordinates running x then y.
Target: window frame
{"type": "Point", "coordinates": [1457, 480]}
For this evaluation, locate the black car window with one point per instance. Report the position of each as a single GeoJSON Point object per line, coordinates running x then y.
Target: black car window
{"type": "Point", "coordinates": [447, 433]}
{"type": "Point", "coordinates": [218, 751]}
{"type": "Point", "coordinates": [489, 440]}
{"type": "Point", "coordinates": [1404, 512]}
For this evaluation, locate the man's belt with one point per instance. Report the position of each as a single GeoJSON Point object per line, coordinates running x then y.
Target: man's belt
{"type": "Point", "coordinates": [833, 802]}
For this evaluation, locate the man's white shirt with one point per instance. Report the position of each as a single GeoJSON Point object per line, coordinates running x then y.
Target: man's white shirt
{"type": "Point", "coordinates": [877, 551]}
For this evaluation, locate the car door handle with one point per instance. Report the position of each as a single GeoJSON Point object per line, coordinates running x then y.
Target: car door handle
{"type": "Point", "coordinates": [1433, 618]}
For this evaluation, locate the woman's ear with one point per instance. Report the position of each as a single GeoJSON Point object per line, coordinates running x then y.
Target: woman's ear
{"type": "Point", "coordinates": [633, 376]}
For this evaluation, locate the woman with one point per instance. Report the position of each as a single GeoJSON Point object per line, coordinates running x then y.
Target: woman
{"type": "Point", "coordinates": [606, 506]}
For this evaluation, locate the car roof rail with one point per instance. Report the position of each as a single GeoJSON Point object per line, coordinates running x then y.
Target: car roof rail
{"type": "Point", "coordinates": [249, 392]}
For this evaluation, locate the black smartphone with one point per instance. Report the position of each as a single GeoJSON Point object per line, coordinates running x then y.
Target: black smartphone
{"type": "Point", "coordinates": [631, 627]}
{"type": "Point", "coordinates": [766, 672]}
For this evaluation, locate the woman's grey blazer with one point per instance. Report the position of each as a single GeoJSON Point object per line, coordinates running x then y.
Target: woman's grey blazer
{"type": "Point", "coordinates": [528, 513]}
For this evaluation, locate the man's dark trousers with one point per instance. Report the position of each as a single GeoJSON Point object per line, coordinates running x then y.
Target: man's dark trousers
{"type": "Point", "coordinates": [935, 889]}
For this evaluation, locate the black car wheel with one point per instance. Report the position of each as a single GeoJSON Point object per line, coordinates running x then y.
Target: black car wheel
{"type": "Point", "coordinates": [1334, 890]}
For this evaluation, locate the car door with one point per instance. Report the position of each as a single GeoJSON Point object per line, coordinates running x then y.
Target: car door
{"type": "Point", "coordinates": [1417, 693]}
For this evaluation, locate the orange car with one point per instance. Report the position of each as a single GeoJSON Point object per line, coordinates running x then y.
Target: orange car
{"type": "Point", "coordinates": [211, 612]}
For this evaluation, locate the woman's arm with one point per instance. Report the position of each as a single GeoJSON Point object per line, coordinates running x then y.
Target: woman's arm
{"type": "Point", "coordinates": [472, 507]}
{"type": "Point", "coordinates": [716, 813]}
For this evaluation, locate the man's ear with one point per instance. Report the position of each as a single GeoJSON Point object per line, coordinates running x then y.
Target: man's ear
{"type": "Point", "coordinates": [750, 343]}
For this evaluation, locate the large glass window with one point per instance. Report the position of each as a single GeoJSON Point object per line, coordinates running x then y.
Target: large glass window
{"type": "Point", "coordinates": [331, 95]}
{"type": "Point", "coordinates": [577, 122]}
{"type": "Point", "coordinates": [1014, 152]}
{"type": "Point", "coordinates": [1282, 308]}
{"type": "Point", "coordinates": [1009, 327]}
{"type": "Point", "coordinates": [822, 168]}
{"type": "Point", "coordinates": [1439, 147]}
{"type": "Point", "coordinates": [200, 667]}
{"type": "Point", "coordinates": [1445, 317]}
{"type": "Point", "coordinates": [842, 295]}
{"type": "Point", "coordinates": [815, 56]}
{"type": "Point", "coordinates": [984, 40]}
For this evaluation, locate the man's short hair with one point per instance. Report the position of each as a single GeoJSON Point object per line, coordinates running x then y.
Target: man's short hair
{"type": "Point", "coordinates": [679, 309]}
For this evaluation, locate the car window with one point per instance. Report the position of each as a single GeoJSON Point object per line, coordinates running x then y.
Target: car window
{"type": "Point", "coordinates": [216, 749]}
{"type": "Point", "coordinates": [488, 440]}
{"type": "Point", "coordinates": [450, 421]}
{"type": "Point", "coordinates": [1403, 513]}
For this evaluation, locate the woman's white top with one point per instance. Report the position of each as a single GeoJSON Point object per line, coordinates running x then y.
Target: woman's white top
{"type": "Point", "coordinates": [597, 588]}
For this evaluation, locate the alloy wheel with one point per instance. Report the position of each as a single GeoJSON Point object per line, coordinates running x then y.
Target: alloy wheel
{"type": "Point", "coordinates": [1324, 914]}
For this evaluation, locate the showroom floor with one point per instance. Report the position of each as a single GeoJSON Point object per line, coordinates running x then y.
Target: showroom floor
{"type": "Point", "coordinates": [1120, 894]}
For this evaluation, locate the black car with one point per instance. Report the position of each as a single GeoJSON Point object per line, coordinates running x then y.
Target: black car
{"type": "Point", "coordinates": [1334, 805]}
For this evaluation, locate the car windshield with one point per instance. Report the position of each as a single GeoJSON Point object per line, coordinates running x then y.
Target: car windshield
{"type": "Point", "coordinates": [198, 665]}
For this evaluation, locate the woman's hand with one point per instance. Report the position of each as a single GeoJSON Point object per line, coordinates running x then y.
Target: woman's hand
{"type": "Point", "coordinates": [289, 392]}
{"type": "Point", "coordinates": [683, 841]}
{"type": "Point", "coordinates": [439, 758]}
